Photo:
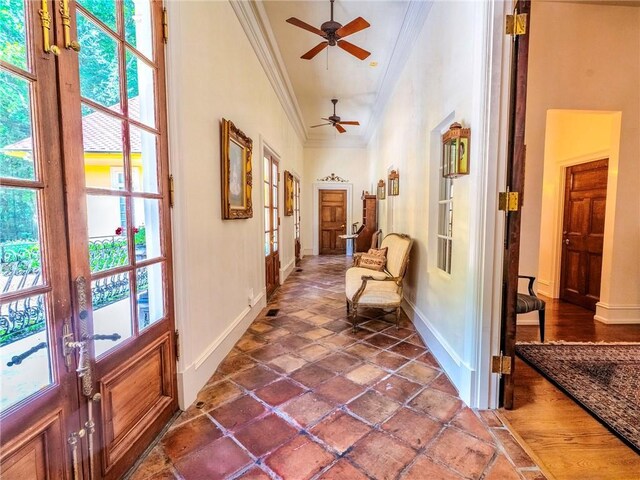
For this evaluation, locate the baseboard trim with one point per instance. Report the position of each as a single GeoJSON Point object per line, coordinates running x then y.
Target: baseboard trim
{"type": "Point", "coordinates": [196, 375]}
{"type": "Point", "coordinates": [286, 270]}
{"type": "Point", "coordinates": [545, 287]}
{"type": "Point", "coordinates": [459, 372]}
{"type": "Point", "coordinates": [307, 251]}
{"type": "Point", "coordinates": [617, 314]}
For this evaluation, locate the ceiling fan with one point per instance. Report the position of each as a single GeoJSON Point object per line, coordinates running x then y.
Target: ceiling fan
{"type": "Point", "coordinates": [333, 33]}
{"type": "Point", "coordinates": [335, 121]}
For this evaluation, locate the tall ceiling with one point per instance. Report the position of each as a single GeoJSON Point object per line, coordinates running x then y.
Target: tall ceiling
{"type": "Point", "coordinates": [361, 86]}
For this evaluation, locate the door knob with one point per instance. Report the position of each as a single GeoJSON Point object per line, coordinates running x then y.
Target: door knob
{"type": "Point", "coordinates": [566, 241]}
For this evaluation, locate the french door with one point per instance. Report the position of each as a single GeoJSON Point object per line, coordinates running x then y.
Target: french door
{"type": "Point", "coordinates": [296, 219]}
{"type": "Point", "coordinates": [88, 274]}
{"type": "Point", "coordinates": [271, 223]}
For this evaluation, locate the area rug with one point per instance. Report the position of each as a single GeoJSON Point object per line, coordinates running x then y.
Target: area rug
{"type": "Point", "coordinates": [602, 377]}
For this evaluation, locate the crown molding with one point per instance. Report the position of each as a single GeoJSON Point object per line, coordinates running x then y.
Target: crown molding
{"type": "Point", "coordinates": [414, 18]}
{"type": "Point", "coordinates": [253, 19]}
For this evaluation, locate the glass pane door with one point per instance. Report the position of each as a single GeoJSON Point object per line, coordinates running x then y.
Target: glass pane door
{"type": "Point", "coordinates": [120, 136]}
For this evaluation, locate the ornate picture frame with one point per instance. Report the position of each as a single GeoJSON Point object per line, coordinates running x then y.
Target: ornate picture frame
{"type": "Point", "coordinates": [288, 193]}
{"type": "Point", "coordinates": [236, 173]}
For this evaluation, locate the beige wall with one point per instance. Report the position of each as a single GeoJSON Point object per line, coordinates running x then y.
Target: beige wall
{"type": "Point", "coordinates": [213, 73]}
{"type": "Point", "coordinates": [442, 83]}
{"type": "Point", "coordinates": [347, 163]}
{"type": "Point", "coordinates": [591, 63]}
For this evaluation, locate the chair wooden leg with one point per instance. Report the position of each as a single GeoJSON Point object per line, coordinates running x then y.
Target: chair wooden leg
{"type": "Point", "coordinates": [354, 317]}
{"type": "Point", "coordinates": [397, 318]}
{"type": "Point", "coordinates": [541, 320]}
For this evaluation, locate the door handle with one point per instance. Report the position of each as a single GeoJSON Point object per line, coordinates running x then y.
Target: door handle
{"type": "Point", "coordinates": [566, 241]}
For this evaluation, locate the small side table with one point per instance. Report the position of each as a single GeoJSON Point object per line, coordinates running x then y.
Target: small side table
{"type": "Point", "coordinates": [351, 240]}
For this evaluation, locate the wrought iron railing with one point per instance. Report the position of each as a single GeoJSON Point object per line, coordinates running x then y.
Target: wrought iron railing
{"type": "Point", "coordinates": [20, 268]}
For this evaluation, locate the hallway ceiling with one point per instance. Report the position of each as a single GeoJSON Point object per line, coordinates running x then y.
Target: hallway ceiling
{"type": "Point", "coordinates": [362, 87]}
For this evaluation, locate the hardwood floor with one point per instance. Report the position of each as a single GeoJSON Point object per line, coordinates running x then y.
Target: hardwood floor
{"type": "Point", "coordinates": [566, 439]}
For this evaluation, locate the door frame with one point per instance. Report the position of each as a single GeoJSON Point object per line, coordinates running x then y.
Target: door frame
{"type": "Point", "coordinates": [317, 186]}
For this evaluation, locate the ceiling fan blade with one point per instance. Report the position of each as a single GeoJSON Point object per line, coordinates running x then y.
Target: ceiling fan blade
{"type": "Point", "coordinates": [349, 123]}
{"type": "Point", "coordinates": [339, 128]}
{"type": "Point", "coordinates": [353, 27]}
{"type": "Point", "coordinates": [353, 49]}
{"type": "Point", "coordinates": [327, 119]}
{"type": "Point", "coordinates": [314, 51]}
{"type": "Point", "coordinates": [305, 26]}
{"type": "Point", "coordinates": [321, 125]}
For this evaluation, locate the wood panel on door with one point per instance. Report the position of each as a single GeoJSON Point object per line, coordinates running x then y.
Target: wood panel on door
{"type": "Point", "coordinates": [271, 190]}
{"type": "Point", "coordinates": [333, 221]}
{"type": "Point", "coordinates": [39, 402]}
{"type": "Point", "coordinates": [585, 201]}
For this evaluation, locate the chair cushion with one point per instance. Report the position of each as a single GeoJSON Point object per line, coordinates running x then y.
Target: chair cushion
{"type": "Point", "coordinates": [528, 303]}
{"type": "Point", "coordinates": [380, 293]}
{"type": "Point", "coordinates": [381, 252]}
{"type": "Point", "coordinates": [353, 279]}
{"type": "Point", "coordinates": [372, 262]}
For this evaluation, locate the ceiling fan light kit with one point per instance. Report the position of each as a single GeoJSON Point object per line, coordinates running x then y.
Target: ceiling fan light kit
{"type": "Point", "coordinates": [333, 34]}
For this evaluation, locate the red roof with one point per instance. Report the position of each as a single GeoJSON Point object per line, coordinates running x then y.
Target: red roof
{"type": "Point", "coordinates": [100, 132]}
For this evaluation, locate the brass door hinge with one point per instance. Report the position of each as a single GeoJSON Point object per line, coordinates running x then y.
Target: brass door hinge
{"type": "Point", "coordinates": [171, 191]}
{"type": "Point", "coordinates": [508, 201]}
{"type": "Point", "coordinates": [176, 342]}
{"type": "Point", "coordinates": [165, 25]}
{"type": "Point", "coordinates": [516, 24]}
{"type": "Point", "coordinates": [501, 364]}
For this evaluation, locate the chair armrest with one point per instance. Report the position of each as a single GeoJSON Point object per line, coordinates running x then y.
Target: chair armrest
{"type": "Point", "coordinates": [531, 280]}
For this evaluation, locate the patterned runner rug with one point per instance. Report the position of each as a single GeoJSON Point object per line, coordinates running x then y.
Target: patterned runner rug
{"type": "Point", "coordinates": [603, 378]}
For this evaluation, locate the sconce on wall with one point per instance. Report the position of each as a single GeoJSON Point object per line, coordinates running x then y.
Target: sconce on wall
{"type": "Point", "coordinates": [455, 151]}
{"type": "Point", "coordinates": [382, 192]}
{"type": "Point", "coordinates": [394, 183]}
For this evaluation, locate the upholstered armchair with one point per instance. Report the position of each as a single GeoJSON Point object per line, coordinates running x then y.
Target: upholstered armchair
{"type": "Point", "coordinates": [379, 289]}
{"type": "Point", "coordinates": [530, 303]}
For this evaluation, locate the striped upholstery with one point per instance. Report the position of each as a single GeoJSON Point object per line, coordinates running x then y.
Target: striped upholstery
{"type": "Point", "coordinates": [398, 251]}
{"type": "Point", "coordinates": [528, 303]}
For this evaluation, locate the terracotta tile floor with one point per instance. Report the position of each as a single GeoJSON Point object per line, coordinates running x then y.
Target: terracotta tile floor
{"type": "Point", "coordinates": [301, 396]}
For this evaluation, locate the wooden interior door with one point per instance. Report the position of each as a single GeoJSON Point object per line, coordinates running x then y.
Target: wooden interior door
{"type": "Point", "coordinates": [39, 403]}
{"type": "Point", "coordinates": [271, 223]}
{"type": "Point", "coordinates": [117, 191]}
{"type": "Point", "coordinates": [333, 221]}
{"type": "Point", "coordinates": [296, 219]}
{"type": "Point", "coordinates": [516, 153]}
{"type": "Point", "coordinates": [585, 200]}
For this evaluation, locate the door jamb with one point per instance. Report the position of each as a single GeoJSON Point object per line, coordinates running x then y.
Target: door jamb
{"type": "Point", "coordinates": [317, 186]}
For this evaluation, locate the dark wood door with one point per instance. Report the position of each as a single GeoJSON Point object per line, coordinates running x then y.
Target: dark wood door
{"type": "Point", "coordinates": [333, 221]}
{"type": "Point", "coordinates": [39, 402]}
{"type": "Point", "coordinates": [117, 193]}
{"type": "Point", "coordinates": [516, 153]}
{"type": "Point", "coordinates": [271, 223]}
{"type": "Point", "coordinates": [585, 199]}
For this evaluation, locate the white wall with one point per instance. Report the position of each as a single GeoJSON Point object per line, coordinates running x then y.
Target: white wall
{"type": "Point", "coordinates": [590, 63]}
{"type": "Point", "coordinates": [213, 73]}
{"type": "Point", "coordinates": [347, 163]}
{"type": "Point", "coordinates": [448, 78]}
